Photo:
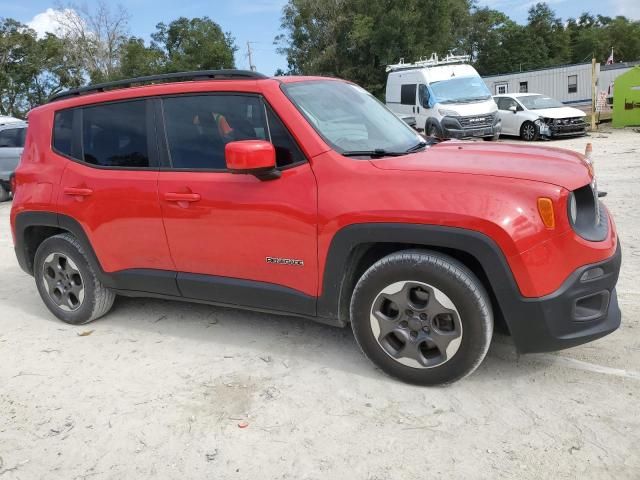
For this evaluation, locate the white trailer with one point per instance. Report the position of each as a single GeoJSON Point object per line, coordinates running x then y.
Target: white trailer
{"type": "Point", "coordinates": [571, 84]}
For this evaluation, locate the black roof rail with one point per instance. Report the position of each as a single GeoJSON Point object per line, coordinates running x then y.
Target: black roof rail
{"type": "Point", "coordinates": [162, 78]}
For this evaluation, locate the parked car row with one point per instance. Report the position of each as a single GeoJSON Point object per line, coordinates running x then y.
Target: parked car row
{"type": "Point", "coordinates": [446, 98]}
{"type": "Point", "coordinates": [12, 135]}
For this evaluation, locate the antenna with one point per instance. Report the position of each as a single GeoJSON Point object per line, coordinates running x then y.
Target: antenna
{"type": "Point", "coordinates": [432, 61]}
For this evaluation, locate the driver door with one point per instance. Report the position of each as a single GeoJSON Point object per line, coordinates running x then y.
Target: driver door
{"type": "Point", "coordinates": [234, 238]}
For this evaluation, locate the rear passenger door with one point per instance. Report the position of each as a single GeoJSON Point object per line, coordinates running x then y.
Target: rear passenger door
{"type": "Point", "coordinates": [234, 238]}
{"type": "Point", "coordinates": [110, 183]}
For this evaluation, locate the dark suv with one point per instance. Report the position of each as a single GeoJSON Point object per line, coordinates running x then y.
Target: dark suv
{"type": "Point", "coordinates": [306, 196]}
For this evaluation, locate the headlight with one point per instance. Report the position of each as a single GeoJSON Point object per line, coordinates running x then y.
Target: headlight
{"type": "Point", "coordinates": [448, 113]}
{"type": "Point", "coordinates": [573, 208]}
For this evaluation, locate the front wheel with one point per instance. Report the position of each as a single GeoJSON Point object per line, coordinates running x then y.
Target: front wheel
{"type": "Point", "coordinates": [432, 130]}
{"type": "Point", "coordinates": [529, 131]}
{"type": "Point", "coordinates": [422, 317]}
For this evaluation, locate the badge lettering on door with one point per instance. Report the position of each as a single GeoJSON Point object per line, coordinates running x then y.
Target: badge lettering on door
{"type": "Point", "coordinates": [285, 261]}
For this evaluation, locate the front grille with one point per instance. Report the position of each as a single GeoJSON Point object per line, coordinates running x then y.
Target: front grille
{"type": "Point", "coordinates": [477, 121]}
{"type": "Point", "coordinates": [570, 121]}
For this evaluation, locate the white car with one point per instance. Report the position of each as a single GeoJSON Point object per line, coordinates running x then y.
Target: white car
{"type": "Point", "coordinates": [532, 115]}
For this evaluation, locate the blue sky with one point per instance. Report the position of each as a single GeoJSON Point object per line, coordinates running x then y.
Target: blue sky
{"type": "Point", "coordinates": [259, 20]}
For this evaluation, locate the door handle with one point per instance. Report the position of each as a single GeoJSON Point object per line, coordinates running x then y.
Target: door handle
{"type": "Point", "coordinates": [181, 197]}
{"type": "Point", "coordinates": [77, 192]}
{"type": "Point", "coordinates": [183, 200]}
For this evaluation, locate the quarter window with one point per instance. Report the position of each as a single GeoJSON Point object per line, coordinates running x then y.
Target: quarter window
{"type": "Point", "coordinates": [408, 94]}
{"type": "Point", "coordinates": [115, 135]}
{"type": "Point", "coordinates": [573, 83]}
{"type": "Point", "coordinates": [63, 132]}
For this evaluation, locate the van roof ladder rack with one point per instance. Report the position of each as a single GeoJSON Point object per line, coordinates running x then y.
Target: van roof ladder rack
{"type": "Point", "coordinates": [227, 74]}
{"type": "Point", "coordinates": [432, 61]}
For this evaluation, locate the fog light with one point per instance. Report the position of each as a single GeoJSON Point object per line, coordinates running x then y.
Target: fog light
{"type": "Point", "coordinates": [592, 274]}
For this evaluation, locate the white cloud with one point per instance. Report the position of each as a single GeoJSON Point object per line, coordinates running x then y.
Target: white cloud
{"type": "Point", "coordinates": [49, 21]}
{"type": "Point", "coordinates": [45, 22]}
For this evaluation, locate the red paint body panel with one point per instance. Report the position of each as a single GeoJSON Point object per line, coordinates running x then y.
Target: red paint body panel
{"type": "Point", "coordinates": [121, 216]}
{"type": "Point", "coordinates": [223, 224]}
{"type": "Point", "coordinates": [239, 221]}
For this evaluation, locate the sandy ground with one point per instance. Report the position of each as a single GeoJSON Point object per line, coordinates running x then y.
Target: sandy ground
{"type": "Point", "coordinates": [161, 389]}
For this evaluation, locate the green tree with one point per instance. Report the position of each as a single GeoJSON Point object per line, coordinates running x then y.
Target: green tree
{"type": "Point", "coordinates": [194, 44]}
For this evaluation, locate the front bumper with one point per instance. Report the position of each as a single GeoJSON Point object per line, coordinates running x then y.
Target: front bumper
{"type": "Point", "coordinates": [556, 130]}
{"type": "Point", "coordinates": [581, 310]}
{"type": "Point", "coordinates": [452, 127]}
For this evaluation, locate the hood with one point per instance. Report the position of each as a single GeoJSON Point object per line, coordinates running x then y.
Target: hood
{"type": "Point", "coordinates": [482, 107]}
{"type": "Point", "coordinates": [561, 112]}
{"type": "Point", "coordinates": [542, 164]}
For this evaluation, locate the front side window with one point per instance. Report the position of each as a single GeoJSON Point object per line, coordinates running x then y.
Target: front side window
{"type": "Point", "coordinates": [199, 126]}
{"type": "Point", "coordinates": [349, 118]}
{"type": "Point", "coordinates": [115, 135]}
{"type": "Point", "coordinates": [12, 138]}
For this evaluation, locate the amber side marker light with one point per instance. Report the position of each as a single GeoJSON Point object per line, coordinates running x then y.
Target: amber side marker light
{"type": "Point", "coordinates": [545, 208]}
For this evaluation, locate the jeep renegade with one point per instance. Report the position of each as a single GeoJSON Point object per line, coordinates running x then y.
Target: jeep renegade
{"type": "Point", "coordinates": [306, 196]}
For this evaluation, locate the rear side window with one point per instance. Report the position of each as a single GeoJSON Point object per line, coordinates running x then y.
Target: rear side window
{"type": "Point", "coordinates": [12, 138]}
{"type": "Point", "coordinates": [408, 94]}
{"type": "Point", "coordinates": [115, 135]}
{"type": "Point", "coordinates": [63, 132]}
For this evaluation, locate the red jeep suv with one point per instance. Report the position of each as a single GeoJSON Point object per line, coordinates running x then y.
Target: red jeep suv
{"type": "Point", "coordinates": [306, 196]}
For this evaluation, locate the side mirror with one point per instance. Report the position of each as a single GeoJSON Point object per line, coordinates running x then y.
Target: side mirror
{"type": "Point", "coordinates": [513, 108]}
{"type": "Point", "coordinates": [254, 157]}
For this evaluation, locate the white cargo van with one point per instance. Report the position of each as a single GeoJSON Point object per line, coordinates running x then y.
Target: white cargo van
{"type": "Point", "coordinates": [447, 98]}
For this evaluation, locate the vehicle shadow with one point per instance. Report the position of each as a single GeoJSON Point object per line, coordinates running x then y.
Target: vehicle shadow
{"type": "Point", "coordinates": [235, 333]}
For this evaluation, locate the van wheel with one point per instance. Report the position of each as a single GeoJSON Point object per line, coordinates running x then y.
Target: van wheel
{"type": "Point", "coordinates": [422, 317]}
{"type": "Point", "coordinates": [66, 282]}
{"type": "Point", "coordinates": [4, 194]}
{"type": "Point", "coordinates": [432, 130]}
{"type": "Point", "coordinates": [529, 131]}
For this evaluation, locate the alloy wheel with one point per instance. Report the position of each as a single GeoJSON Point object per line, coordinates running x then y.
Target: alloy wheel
{"type": "Point", "coordinates": [63, 282]}
{"type": "Point", "coordinates": [416, 324]}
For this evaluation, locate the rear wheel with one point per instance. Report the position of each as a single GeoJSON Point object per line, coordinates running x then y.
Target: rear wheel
{"type": "Point", "coordinates": [66, 282]}
{"type": "Point", "coordinates": [422, 317]}
{"type": "Point", "coordinates": [529, 131]}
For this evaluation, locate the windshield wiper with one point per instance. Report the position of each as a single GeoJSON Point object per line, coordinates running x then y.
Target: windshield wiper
{"type": "Point", "coordinates": [418, 147]}
{"type": "Point", "coordinates": [376, 153]}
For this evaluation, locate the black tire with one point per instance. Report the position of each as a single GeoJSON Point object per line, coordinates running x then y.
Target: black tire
{"type": "Point", "coordinates": [435, 274]}
{"type": "Point", "coordinates": [431, 129]}
{"type": "Point", "coordinates": [63, 273]}
{"type": "Point", "coordinates": [4, 194]}
{"type": "Point", "coordinates": [529, 131]}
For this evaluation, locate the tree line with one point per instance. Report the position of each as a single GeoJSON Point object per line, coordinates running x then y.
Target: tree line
{"type": "Point", "coordinates": [356, 39]}
{"type": "Point", "coordinates": [351, 39]}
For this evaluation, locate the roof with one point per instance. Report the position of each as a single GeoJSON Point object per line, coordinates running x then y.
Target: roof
{"type": "Point", "coordinates": [4, 120]}
{"type": "Point", "coordinates": [228, 74]}
{"type": "Point", "coordinates": [517, 94]}
{"type": "Point", "coordinates": [17, 124]}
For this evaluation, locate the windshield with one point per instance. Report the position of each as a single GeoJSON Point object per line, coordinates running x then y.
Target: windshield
{"type": "Point", "coordinates": [536, 102]}
{"type": "Point", "coordinates": [349, 118]}
{"type": "Point", "coordinates": [460, 90]}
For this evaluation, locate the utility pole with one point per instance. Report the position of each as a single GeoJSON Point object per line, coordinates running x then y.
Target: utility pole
{"type": "Point", "coordinates": [252, 67]}
{"type": "Point", "coordinates": [593, 93]}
